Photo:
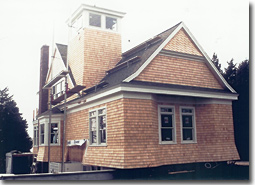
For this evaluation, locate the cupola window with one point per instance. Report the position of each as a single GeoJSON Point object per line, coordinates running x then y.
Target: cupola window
{"type": "Point", "coordinates": [94, 20]}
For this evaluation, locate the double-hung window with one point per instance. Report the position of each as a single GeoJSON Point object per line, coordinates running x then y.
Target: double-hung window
{"type": "Point", "coordinates": [42, 131]}
{"type": "Point", "coordinates": [188, 125]}
{"type": "Point", "coordinates": [167, 131]}
{"type": "Point", "coordinates": [97, 127]}
{"type": "Point", "coordinates": [35, 135]}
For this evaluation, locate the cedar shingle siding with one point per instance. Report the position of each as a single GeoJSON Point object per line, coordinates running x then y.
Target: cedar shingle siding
{"type": "Point", "coordinates": [170, 70]}
{"type": "Point", "coordinates": [151, 74]}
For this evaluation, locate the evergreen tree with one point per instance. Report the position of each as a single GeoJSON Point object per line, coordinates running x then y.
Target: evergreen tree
{"type": "Point", "coordinates": [216, 62]}
{"type": "Point", "coordinates": [241, 110]}
{"type": "Point", "coordinates": [13, 133]}
{"type": "Point", "coordinates": [230, 73]}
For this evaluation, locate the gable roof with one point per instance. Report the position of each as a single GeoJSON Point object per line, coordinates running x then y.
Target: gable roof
{"type": "Point", "coordinates": [62, 49]}
{"type": "Point", "coordinates": [208, 60]}
{"type": "Point", "coordinates": [135, 60]}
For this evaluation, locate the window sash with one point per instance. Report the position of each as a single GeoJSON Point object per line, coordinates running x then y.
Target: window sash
{"type": "Point", "coordinates": [97, 126]}
{"type": "Point", "coordinates": [188, 124]}
{"type": "Point", "coordinates": [42, 131]}
{"type": "Point", "coordinates": [95, 20]}
{"type": "Point", "coordinates": [167, 127]}
{"type": "Point", "coordinates": [54, 135]}
{"type": "Point", "coordinates": [35, 142]}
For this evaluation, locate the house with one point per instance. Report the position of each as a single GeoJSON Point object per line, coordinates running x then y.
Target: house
{"type": "Point", "coordinates": [162, 102]}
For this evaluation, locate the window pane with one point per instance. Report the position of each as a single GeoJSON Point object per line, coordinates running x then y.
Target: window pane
{"type": "Point", "coordinates": [187, 134]}
{"type": "Point", "coordinates": [92, 114]}
{"type": "Point", "coordinates": [102, 111]}
{"type": "Point", "coordinates": [166, 134]}
{"type": "Point", "coordinates": [166, 110]}
{"type": "Point", "coordinates": [102, 122]}
{"type": "Point", "coordinates": [166, 121]}
{"type": "Point", "coordinates": [103, 136]}
{"type": "Point", "coordinates": [93, 137]}
{"type": "Point", "coordinates": [94, 20]}
{"type": "Point", "coordinates": [42, 134]}
{"type": "Point", "coordinates": [102, 126]}
{"type": "Point", "coordinates": [187, 121]}
{"type": "Point", "coordinates": [54, 133]}
{"type": "Point", "coordinates": [186, 110]}
{"type": "Point", "coordinates": [111, 23]}
{"type": "Point", "coordinates": [93, 130]}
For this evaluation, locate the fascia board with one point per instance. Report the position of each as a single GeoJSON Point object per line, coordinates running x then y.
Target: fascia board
{"type": "Point", "coordinates": [53, 116]}
{"type": "Point", "coordinates": [147, 62]}
{"type": "Point", "coordinates": [173, 91]}
{"type": "Point", "coordinates": [50, 69]}
{"type": "Point", "coordinates": [211, 65]}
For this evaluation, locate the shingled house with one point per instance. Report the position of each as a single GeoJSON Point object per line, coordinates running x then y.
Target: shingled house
{"type": "Point", "coordinates": [162, 102]}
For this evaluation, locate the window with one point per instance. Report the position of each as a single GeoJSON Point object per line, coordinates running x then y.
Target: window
{"type": "Point", "coordinates": [42, 131]}
{"type": "Point", "coordinates": [188, 124]}
{"type": "Point", "coordinates": [97, 126]}
{"type": "Point", "coordinates": [58, 89]}
{"type": "Point", "coordinates": [35, 135]}
{"type": "Point", "coordinates": [54, 133]}
{"type": "Point", "coordinates": [94, 20]}
{"type": "Point", "coordinates": [111, 23]}
{"type": "Point", "coordinates": [166, 125]}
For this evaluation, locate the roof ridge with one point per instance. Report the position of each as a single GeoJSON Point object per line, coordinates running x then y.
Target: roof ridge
{"type": "Point", "coordinates": [170, 28]}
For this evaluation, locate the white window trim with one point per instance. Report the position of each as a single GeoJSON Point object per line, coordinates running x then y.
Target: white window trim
{"type": "Point", "coordinates": [37, 134]}
{"type": "Point", "coordinates": [103, 22]}
{"type": "Point", "coordinates": [55, 144]}
{"type": "Point", "coordinates": [62, 91]}
{"type": "Point", "coordinates": [97, 127]}
{"type": "Point", "coordinates": [194, 124]}
{"type": "Point", "coordinates": [40, 141]}
{"type": "Point", "coordinates": [174, 124]}
{"type": "Point", "coordinates": [45, 122]}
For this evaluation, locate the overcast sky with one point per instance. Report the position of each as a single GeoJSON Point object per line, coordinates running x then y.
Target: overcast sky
{"type": "Point", "coordinates": [220, 26]}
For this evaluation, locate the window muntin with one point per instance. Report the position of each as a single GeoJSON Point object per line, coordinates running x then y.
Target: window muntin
{"type": "Point", "coordinates": [35, 136]}
{"type": "Point", "coordinates": [111, 23]}
{"type": "Point", "coordinates": [97, 124]}
{"type": "Point", "coordinates": [54, 138]}
{"type": "Point", "coordinates": [166, 125]}
{"type": "Point", "coordinates": [188, 125]}
{"type": "Point", "coordinates": [42, 133]}
{"type": "Point", "coordinates": [95, 20]}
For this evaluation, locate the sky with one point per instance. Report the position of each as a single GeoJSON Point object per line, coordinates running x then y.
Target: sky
{"type": "Point", "coordinates": [219, 26]}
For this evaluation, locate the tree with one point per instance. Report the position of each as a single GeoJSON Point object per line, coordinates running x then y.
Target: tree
{"type": "Point", "coordinates": [238, 78]}
{"type": "Point", "coordinates": [216, 62]}
{"type": "Point", "coordinates": [230, 73]}
{"type": "Point", "coordinates": [13, 133]}
{"type": "Point", "coordinates": [241, 110]}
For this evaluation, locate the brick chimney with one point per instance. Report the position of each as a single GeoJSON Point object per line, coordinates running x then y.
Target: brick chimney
{"type": "Point", "coordinates": [95, 44]}
{"type": "Point", "coordinates": [43, 93]}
